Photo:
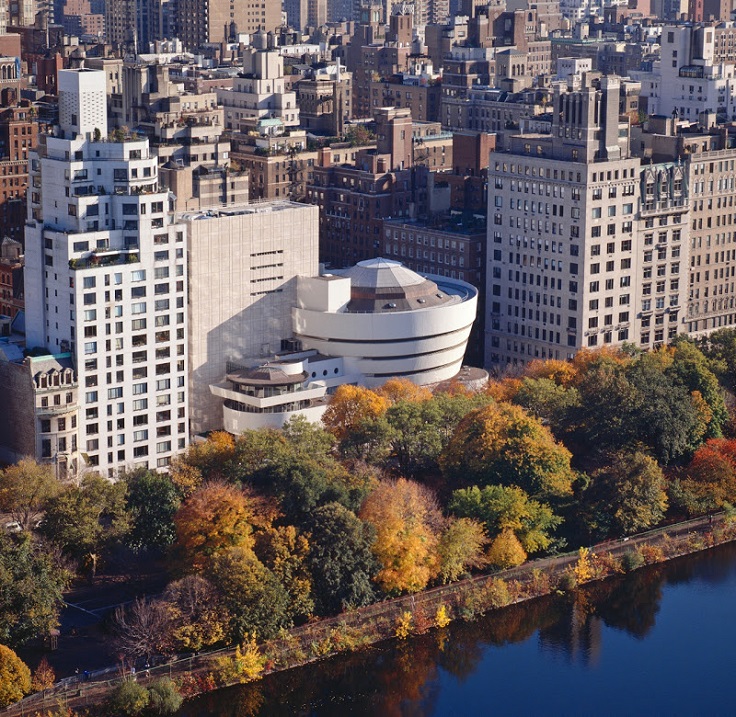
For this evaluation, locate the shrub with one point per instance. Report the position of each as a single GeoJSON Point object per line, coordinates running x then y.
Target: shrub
{"type": "Point", "coordinates": [246, 666]}
{"type": "Point", "coordinates": [128, 698]}
{"type": "Point", "coordinates": [404, 624]}
{"type": "Point", "coordinates": [651, 554]}
{"type": "Point", "coordinates": [632, 560]}
{"type": "Point", "coordinates": [441, 618]}
{"type": "Point", "coordinates": [568, 581]}
{"type": "Point", "coordinates": [164, 697]}
{"type": "Point", "coordinates": [584, 570]}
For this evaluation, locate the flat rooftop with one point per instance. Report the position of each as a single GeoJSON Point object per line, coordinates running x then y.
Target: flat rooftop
{"type": "Point", "coordinates": [239, 209]}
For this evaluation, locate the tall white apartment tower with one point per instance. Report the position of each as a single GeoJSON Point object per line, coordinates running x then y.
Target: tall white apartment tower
{"type": "Point", "coordinates": [106, 281]}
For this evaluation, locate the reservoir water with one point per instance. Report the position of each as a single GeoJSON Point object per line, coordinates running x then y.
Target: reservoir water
{"type": "Point", "coordinates": [661, 641]}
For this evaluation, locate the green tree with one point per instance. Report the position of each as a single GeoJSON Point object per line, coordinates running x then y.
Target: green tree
{"type": "Point", "coordinates": [15, 677]}
{"type": "Point", "coordinates": [341, 559]}
{"type": "Point", "coordinates": [461, 548]}
{"type": "Point", "coordinates": [628, 494]}
{"type": "Point", "coordinates": [502, 444]}
{"type": "Point", "coordinates": [502, 508]}
{"type": "Point", "coordinates": [164, 697]}
{"type": "Point", "coordinates": [151, 500]}
{"type": "Point", "coordinates": [128, 699]}
{"type": "Point", "coordinates": [85, 521]}
{"type": "Point", "coordinates": [25, 487]}
{"type": "Point", "coordinates": [667, 417]}
{"type": "Point", "coordinates": [31, 585]}
{"type": "Point", "coordinates": [255, 599]}
{"type": "Point", "coordinates": [692, 370]}
{"type": "Point", "coordinates": [548, 401]}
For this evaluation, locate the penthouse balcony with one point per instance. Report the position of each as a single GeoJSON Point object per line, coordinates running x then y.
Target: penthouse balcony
{"type": "Point", "coordinates": [99, 259]}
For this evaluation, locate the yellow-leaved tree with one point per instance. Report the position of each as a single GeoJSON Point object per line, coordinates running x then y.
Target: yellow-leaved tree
{"type": "Point", "coordinates": [15, 677]}
{"type": "Point", "coordinates": [502, 444]}
{"type": "Point", "coordinates": [408, 526]}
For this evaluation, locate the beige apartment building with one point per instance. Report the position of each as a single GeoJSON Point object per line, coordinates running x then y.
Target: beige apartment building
{"type": "Point", "coordinates": [586, 248]}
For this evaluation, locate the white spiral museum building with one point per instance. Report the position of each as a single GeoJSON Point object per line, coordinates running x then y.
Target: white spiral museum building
{"type": "Point", "coordinates": [369, 323]}
{"type": "Point", "coordinates": [385, 320]}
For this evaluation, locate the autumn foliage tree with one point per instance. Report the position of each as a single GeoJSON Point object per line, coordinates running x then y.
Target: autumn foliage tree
{"type": "Point", "coordinates": [350, 407]}
{"type": "Point", "coordinates": [709, 481]}
{"type": "Point", "coordinates": [502, 444]}
{"type": "Point", "coordinates": [213, 519]}
{"type": "Point", "coordinates": [15, 677]}
{"type": "Point", "coordinates": [408, 526]}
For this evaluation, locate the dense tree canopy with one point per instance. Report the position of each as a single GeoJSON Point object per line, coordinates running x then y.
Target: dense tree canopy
{"type": "Point", "coordinates": [627, 495]}
{"type": "Point", "coordinates": [31, 586]}
{"type": "Point", "coordinates": [502, 444]}
{"type": "Point", "coordinates": [408, 526]}
{"type": "Point", "coordinates": [341, 559]}
{"type": "Point", "coordinates": [25, 488]}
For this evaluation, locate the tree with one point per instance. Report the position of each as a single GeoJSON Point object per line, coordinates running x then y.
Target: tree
{"type": "Point", "coordinates": [503, 508]}
{"type": "Point", "coordinates": [351, 406]}
{"type": "Point", "coordinates": [128, 699]}
{"type": "Point", "coordinates": [255, 599]}
{"type": "Point", "coordinates": [284, 551]}
{"type": "Point", "coordinates": [213, 519]}
{"type": "Point", "coordinates": [401, 389]}
{"type": "Point", "coordinates": [708, 483]}
{"type": "Point", "coordinates": [198, 617]}
{"type": "Point", "coordinates": [25, 487]}
{"type": "Point", "coordinates": [461, 548]}
{"type": "Point", "coordinates": [628, 494]}
{"type": "Point", "coordinates": [562, 373]}
{"type": "Point", "coordinates": [143, 629]}
{"type": "Point", "coordinates": [506, 551]}
{"type": "Point", "coordinates": [43, 677]}
{"type": "Point", "coordinates": [15, 677]}
{"type": "Point", "coordinates": [548, 401]}
{"type": "Point", "coordinates": [691, 369]}
{"type": "Point", "coordinates": [209, 459]}
{"type": "Point", "coordinates": [31, 587]}
{"type": "Point", "coordinates": [164, 697]}
{"type": "Point", "coordinates": [87, 520]}
{"type": "Point", "coordinates": [408, 523]}
{"type": "Point", "coordinates": [341, 559]}
{"type": "Point", "coordinates": [668, 418]}
{"type": "Point", "coordinates": [152, 500]}
{"type": "Point", "coordinates": [502, 444]}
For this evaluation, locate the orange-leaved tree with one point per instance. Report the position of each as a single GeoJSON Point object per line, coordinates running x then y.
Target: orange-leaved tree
{"type": "Point", "coordinates": [214, 518]}
{"type": "Point", "coordinates": [709, 481]}
{"type": "Point", "coordinates": [350, 407]}
{"type": "Point", "coordinates": [401, 389]}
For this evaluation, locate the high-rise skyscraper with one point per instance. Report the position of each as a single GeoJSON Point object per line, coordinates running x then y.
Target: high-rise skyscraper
{"type": "Point", "coordinates": [106, 261]}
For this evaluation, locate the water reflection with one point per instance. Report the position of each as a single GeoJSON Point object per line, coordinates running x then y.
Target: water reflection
{"type": "Point", "coordinates": [404, 679]}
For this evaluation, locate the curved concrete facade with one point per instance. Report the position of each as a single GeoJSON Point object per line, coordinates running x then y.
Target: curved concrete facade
{"type": "Point", "coordinates": [424, 344]}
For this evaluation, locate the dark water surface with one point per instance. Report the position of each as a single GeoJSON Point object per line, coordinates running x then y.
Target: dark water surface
{"type": "Point", "coordinates": [659, 642]}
